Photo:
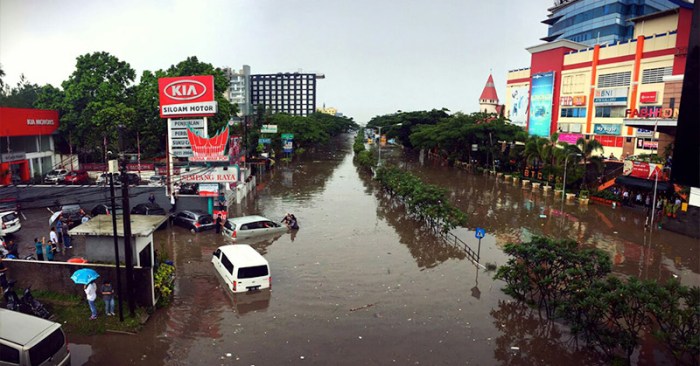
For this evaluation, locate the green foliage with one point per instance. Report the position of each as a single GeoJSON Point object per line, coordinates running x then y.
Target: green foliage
{"type": "Point", "coordinates": [23, 95]}
{"type": "Point", "coordinates": [649, 158]}
{"type": "Point", "coordinates": [164, 283]}
{"type": "Point", "coordinates": [426, 202]}
{"type": "Point", "coordinates": [365, 159]}
{"type": "Point", "coordinates": [610, 314]}
{"type": "Point", "coordinates": [359, 144]}
{"type": "Point", "coordinates": [607, 195]}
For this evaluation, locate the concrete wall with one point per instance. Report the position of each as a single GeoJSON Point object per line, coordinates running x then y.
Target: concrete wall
{"type": "Point", "coordinates": [55, 277]}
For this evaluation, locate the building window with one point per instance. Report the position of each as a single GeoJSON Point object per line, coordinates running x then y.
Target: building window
{"type": "Point", "coordinates": [656, 75]}
{"type": "Point", "coordinates": [610, 112]}
{"type": "Point", "coordinates": [573, 112]}
{"type": "Point", "coordinates": [615, 79]}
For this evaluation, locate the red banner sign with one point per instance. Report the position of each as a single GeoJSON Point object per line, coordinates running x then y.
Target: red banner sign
{"type": "Point", "coordinates": [580, 100]}
{"type": "Point", "coordinates": [208, 149]}
{"type": "Point", "coordinates": [644, 170]}
{"type": "Point", "coordinates": [610, 141]}
{"type": "Point", "coordinates": [647, 97]}
{"type": "Point", "coordinates": [27, 122]}
{"type": "Point", "coordinates": [187, 96]}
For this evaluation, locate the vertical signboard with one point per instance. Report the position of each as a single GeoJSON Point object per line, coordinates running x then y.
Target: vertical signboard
{"type": "Point", "coordinates": [287, 142]}
{"type": "Point", "coordinates": [541, 104]}
{"type": "Point", "coordinates": [518, 105]}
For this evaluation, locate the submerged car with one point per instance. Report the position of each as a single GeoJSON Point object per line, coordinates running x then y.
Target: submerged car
{"type": "Point", "coordinates": [148, 209]}
{"type": "Point", "coordinates": [246, 227]}
{"type": "Point", "coordinates": [104, 209]}
{"type": "Point", "coordinates": [194, 221]}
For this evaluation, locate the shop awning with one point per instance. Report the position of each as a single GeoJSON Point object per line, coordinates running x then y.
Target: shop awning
{"type": "Point", "coordinates": [642, 183]}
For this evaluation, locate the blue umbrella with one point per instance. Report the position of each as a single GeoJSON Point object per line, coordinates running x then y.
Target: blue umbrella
{"type": "Point", "coordinates": [84, 276]}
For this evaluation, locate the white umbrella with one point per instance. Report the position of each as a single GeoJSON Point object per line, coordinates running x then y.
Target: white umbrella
{"type": "Point", "coordinates": [54, 217]}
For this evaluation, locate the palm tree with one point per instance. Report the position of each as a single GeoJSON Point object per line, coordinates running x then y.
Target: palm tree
{"type": "Point", "coordinates": [534, 152]}
{"type": "Point", "coordinates": [586, 148]}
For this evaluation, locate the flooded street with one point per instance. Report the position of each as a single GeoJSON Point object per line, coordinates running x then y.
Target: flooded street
{"type": "Point", "coordinates": [362, 284]}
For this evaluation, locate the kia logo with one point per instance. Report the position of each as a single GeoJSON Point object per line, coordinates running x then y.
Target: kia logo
{"type": "Point", "coordinates": [185, 90]}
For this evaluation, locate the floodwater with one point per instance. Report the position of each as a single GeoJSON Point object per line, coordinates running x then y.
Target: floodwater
{"type": "Point", "coordinates": [363, 284]}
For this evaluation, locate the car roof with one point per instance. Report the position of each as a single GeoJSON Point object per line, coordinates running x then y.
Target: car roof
{"type": "Point", "coordinates": [21, 328]}
{"type": "Point", "coordinates": [196, 212]}
{"type": "Point", "coordinates": [243, 254]}
{"type": "Point", "coordinates": [247, 219]}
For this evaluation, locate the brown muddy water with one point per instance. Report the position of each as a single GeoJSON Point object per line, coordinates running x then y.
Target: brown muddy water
{"type": "Point", "coordinates": [363, 284]}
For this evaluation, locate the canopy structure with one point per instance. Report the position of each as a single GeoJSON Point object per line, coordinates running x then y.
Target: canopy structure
{"type": "Point", "coordinates": [645, 184]}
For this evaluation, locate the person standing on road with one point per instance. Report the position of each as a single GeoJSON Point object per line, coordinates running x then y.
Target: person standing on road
{"type": "Point", "coordinates": [91, 295]}
{"type": "Point", "coordinates": [218, 224]}
{"type": "Point", "coordinates": [108, 297]}
{"type": "Point", "coordinates": [53, 239]}
{"type": "Point", "coordinates": [50, 250]}
{"type": "Point", "coordinates": [66, 236]}
{"type": "Point", "coordinates": [152, 198]}
{"type": "Point", "coordinates": [173, 202]}
{"type": "Point", "coordinates": [59, 232]}
{"type": "Point", "coordinates": [39, 245]}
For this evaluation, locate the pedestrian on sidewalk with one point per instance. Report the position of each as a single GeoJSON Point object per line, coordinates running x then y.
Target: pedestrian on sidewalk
{"type": "Point", "coordinates": [91, 295]}
{"type": "Point", "coordinates": [53, 239]}
{"type": "Point", "coordinates": [66, 236]}
{"type": "Point", "coordinates": [59, 232]}
{"type": "Point", "coordinates": [173, 202]}
{"type": "Point", "coordinates": [218, 224]}
{"type": "Point", "coordinates": [39, 246]}
{"type": "Point", "coordinates": [50, 251]}
{"type": "Point", "coordinates": [108, 297]}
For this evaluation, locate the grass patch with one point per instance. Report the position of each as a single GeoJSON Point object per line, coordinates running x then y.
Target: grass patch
{"type": "Point", "coordinates": [73, 313]}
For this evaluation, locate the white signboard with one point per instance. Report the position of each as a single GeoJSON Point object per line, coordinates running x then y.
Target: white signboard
{"type": "Point", "coordinates": [186, 123]}
{"type": "Point", "coordinates": [210, 175]}
{"type": "Point", "coordinates": [183, 133]}
{"type": "Point", "coordinates": [268, 129]}
{"type": "Point", "coordinates": [180, 143]}
{"type": "Point", "coordinates": [194, 109]}
{"type": "Point", "coordinates": [182, 153]}
{"type": "Point", "coordinates": [611, 97]}
{"type": "Point", "coordinates": [518, 108]}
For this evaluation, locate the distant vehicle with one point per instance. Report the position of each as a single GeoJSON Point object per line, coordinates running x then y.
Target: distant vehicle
{"type": "Point", "coordinates": [242, 268]}
{"type": "Point", "coordinates": [30, 340]}
{"type": "Point", "coordinates": [133, 178]}
{"type": "Point", "coordinates": [188, 188]}
{"type": "Point", "coordinates": [76, 177]}
{"type": "Point", "coordinates": [149, 209]}
{"type": "Point", "coordinates": [156, 180]}
{"type": "Point", "coordinates": [55, 176]}
{"type": "Point", "coordinates": [104, 209]}
{"type": "Point", "coordinates": [245, 227]}
{"type": "Point", "coordinates": [10, 222]}
{"type": "Point", "coordinates": [195, 221]}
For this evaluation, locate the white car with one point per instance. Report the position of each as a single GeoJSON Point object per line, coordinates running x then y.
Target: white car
{"type": "Point", "coordinates": [55, 176]}
{"type": "Point", "coordinates": [156, 181]}
{"type": "Point", "coordinates": [245, 227]}
{"type": "Point", "coordinates": [10, 222]}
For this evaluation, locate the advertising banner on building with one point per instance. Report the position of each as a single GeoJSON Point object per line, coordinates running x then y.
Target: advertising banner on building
{"type": "Point", "coordinates": [541, 104]}
{"type": "Point", "coordinates": [288, 142]}
{"type": "Point", "coordinates": [27, 122]}
{"type": "Point", "coordinates": [644, 170]}
{"type": "Point", "coordinates": [518, 105]}
{"type": "Point", "coordinates": [210, 175]}
{"type": "Point", "coordinates": [644, 133]}
{"type": "Point", "coordinates": [179, 140]}
{"type": "Point", "coordinates": [610, 141]}
{"type": "Point", "coordinates": [607, 129]}
{"type": "Point", "coordinates": [647, 144]}
{"type": "Point", "coordinates": [647, 97]}
{"type": "Point", "coordinates": [208, 189]}
{"type": "Point", "coordinates": [187, 96]}
{"type": "Point", "coordinates": [611, 97]}
{"type": "Point", "coordinates": [579, 100]}
{"type": "Point", "coordinates": [208, 148]}
{"type": "Point", "coordinates": [570, 138]}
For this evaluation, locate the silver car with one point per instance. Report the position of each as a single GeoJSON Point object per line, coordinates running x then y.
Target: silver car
{"type": "Point", "coordinates": [242, 228]}
{"type": "Point", "coordinates": [55, 176]}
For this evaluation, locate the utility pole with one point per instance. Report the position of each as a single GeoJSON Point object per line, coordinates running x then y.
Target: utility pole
{"type": "Point", "coordinates": [116, 245]}
{"type": "Point", "coordinates": [128, 255]}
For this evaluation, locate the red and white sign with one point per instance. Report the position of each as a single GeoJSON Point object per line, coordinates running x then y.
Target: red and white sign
{"type": "Point", "coordinates": [208, 149]}
{"type": "Point", "coordinates": [27, 122]}
{"type": "Point", "coordinates": [187, 96]}
{"type": "Point", "coordinates": [644, 170]}
{"type": "Point", "coordinates": [566, 101]}
{"type": "Point", "coordinates": [211, 175]}
{"type": "Point", "coordinates": [647, 97]}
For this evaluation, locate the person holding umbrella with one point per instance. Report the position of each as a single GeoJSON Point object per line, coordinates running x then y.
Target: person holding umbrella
{"type": "Point", "coordinates": [87, 277]}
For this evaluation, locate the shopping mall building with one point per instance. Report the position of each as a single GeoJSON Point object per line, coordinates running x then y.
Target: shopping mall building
{"type": "Point", "coordinates": [26, 143]}
{"type": "Point", "coordinates": [618, 94]}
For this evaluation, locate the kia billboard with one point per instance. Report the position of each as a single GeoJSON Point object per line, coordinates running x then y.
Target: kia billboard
{"type": "Point", "coordinates": [187, 96]}
{"type": "Point", "coordinates": [27, 122]}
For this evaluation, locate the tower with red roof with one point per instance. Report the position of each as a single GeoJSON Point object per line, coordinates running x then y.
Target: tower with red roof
{"type": "Point", "coordinates": [488, 101]}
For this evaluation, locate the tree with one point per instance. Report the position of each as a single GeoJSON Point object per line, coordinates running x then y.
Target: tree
{"type": "Point", "coordinates": [586, 148]}
{"type": "Point", "coordinates": [100, 81]}
{"type": "Point", "coordinates": [2, 82]}
{"type": "Point", "coordinates": [23, 95]}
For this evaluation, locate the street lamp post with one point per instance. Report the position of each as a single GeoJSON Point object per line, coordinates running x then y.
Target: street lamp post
{"type": "Point", "coordinates": [563, 187]}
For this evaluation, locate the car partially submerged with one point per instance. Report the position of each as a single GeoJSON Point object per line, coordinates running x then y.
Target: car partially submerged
{"type": "Point", "coordinates": [195, 221]}
{"type": "Point", "coordinates": [246, 227]}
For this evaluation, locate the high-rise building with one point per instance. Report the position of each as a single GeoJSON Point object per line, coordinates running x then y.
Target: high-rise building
{"type": "Point", "coordinates": [598, 21]}
{"type": "Point", "coordinates": [239, 91]}
{"type": "Point", "coordinates": [292, 93]}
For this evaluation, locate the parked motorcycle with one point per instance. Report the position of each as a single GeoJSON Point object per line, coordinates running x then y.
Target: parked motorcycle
{"type": "Point", "coordinates": [37, 307]}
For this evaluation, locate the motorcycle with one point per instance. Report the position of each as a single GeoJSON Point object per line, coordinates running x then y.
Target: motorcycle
{"type": "Point", "coordinates": [36, 307]}
{"type": "Point", "coordinates": [12, 301]}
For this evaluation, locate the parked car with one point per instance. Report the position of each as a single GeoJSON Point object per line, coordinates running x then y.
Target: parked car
{"type": "Point", "coordinates": [103, 179]}
{"type": "Point", "coordinates": [76, 177]}
{"type": "Point", "coordinates": [10, 222]}
{"type": "Point", "coordinates": [156, 180]}
{"type": "Point", "coordinates": [55, 176]}
{"type": "Point", "coordinates": [242, 268]}
{"type": "Point", "coordinates": [30, 340]}
{"type": "Point", "coordinates": [133, 179]}
{"type": "Point", "coordinates": [188, 188]}
{"type": "Point", "coordinates": [148, 209]}
{"type": "Point", "coordinates": [72, 214]}
{"type": "Point", "coordinates": [105, 209]}
{"type": "Point", "coordinates": [194, 221]}
{"type": "Point", "coordinates": [246, 227]}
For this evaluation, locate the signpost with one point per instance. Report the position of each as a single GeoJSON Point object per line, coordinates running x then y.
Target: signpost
{"type": "Point", "coordinates": [288, 143]}
{"type": "Point", "coordinates": [479, 234]}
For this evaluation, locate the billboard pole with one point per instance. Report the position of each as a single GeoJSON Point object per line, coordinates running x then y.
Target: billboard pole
{"type": "Point", "coordinates": [168, 162]}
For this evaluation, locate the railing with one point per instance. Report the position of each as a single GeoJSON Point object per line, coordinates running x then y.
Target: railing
{"type": "Point", "coordinates": [453, 240]}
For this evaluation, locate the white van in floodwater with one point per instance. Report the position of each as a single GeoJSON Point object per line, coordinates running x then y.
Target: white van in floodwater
{"type": "Point", "coordinates": [29, 340]}
{"type": "Point", "coordinates": [242, 268]}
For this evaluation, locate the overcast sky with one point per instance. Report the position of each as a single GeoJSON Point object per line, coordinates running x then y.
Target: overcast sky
{"type": "Point", "coordinates": [379, 56]}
